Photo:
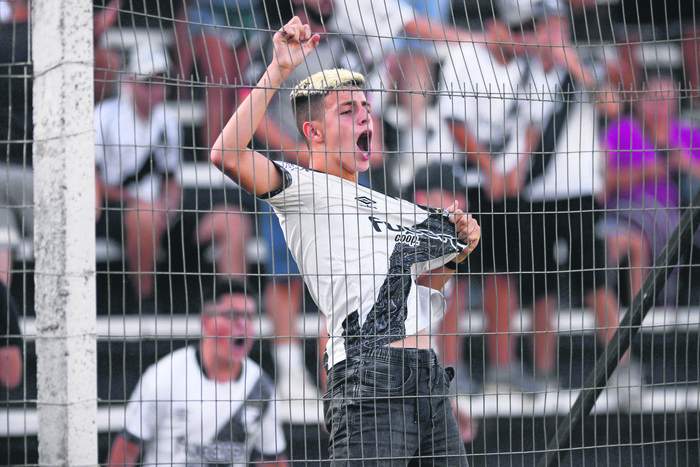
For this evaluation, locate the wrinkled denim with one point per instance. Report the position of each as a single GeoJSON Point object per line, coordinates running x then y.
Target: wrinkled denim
{"type": "Point", "coordinates": [390, 407]}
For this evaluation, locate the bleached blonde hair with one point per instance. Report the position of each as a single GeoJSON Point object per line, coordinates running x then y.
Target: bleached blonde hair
{"type": "Point", "coordinates": [307, 96]}
{"type": "Point", "coordinates": [325, 81]}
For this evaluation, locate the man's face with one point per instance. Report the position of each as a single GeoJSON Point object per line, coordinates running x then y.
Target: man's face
{"type": "Point", "coordinates": [524, 36]}
{"type": "Point", "coordinates": [148, 91]}
{"type": "Point", "coordinates": [552, 36]}
{"type": "Point", "coordinates": [228, 327]}
{"type": "Point", "coordinates": [513, 40]}
{"type": "Point", "coordinates": [347, 131]}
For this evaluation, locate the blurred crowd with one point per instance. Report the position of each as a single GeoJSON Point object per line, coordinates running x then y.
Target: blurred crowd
{"type": "Point", "coordinates": [553, 121]}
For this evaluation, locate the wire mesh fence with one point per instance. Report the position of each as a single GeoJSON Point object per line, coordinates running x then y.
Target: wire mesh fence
{"type": "Point", "coordinates": [284, 270]}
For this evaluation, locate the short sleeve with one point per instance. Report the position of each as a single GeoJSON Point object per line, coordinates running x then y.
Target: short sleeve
{"type": "Point", "coordinates": [140, 414]}
{"type": "Point", "coordinates": [288, 181]}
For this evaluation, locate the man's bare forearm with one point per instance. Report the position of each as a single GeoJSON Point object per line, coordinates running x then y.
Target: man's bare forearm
{"type": "Point", "coordinates": [240, 128]}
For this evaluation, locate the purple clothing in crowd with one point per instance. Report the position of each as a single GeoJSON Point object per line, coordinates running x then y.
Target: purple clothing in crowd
{"type": "Point", "coordinates": [628, 147]}
{"type": "Point", "coordinates": [651, 206]}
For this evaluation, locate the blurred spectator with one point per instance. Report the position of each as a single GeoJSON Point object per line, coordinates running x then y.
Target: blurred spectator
{"type": "Point", "coordinates": [138, 160]}
{"type": "Point", "coordinates": [16, 130]}
{"type": "Point", "coordinates": [380, 30]}
{"type": "Point", "coordinates": [10, 342]}
{"type": "Point", "coordinates": [668, 23]}
{"type": "Point", "coordinates": [535, 141]}
{"type": "Point", "coordinates": [486, 105]}
{"type": "Point", "coordinates": [281, 140]}
{"type": "Point", "coordinates": [212, 43]}
{"type": "Point", "coordinates": [207, 403]}
{"type": "Point", "coordinates": [412, 66]}
{"type": "Point", "coordinates": [137, 152]}
{"type": "Point", "coordinates": [16, 124]}
{"type": "Point", "coordinates": [565, 178]}
{"type": "Point", "coordinates": [645, 149]}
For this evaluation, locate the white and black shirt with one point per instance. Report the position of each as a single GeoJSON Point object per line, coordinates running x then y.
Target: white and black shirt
{"type": "Point", "coordinates": [360, 252]}
{"type": "Point", "coordinates": [181, 417]}
{"type": "Point", "coordinates": [576, 166]}
{"type": "Point", "coordinates": [491, 99]}
{"type": "Point", "coordinates": [499, 102]}
{"type": "Point", "coordinates": [134, 153]}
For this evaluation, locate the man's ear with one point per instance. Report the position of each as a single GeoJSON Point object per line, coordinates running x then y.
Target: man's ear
{"type": "Point", "coordinates": [313, 131]}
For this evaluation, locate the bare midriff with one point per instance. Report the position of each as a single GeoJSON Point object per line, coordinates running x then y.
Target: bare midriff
{"type": "Point", "coordinates": [419, 340]}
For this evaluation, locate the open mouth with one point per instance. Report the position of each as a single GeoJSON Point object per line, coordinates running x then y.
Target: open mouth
{"type": "Point", "coordinates": [239, 342]}
{"type": "Point", "coordinates": [364, 143]}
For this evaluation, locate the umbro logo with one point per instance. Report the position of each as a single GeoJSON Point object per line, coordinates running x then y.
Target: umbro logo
{"type": "Point", "coordinates": [366, 202]}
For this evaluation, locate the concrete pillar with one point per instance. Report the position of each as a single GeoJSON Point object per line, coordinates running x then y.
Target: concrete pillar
{"type": "Point", "coordinates": [64, 239]}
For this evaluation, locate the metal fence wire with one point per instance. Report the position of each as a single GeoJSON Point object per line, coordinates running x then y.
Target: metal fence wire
{"type": "Point", "coordinates": [371, 232]}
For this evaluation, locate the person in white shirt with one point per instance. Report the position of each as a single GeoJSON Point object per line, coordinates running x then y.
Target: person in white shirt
{"type": "Point", "coordinates": [373, 264]}
{"type": "Point", "coordinates": [486, 101]}
{"type": "Point", "coordinates": [279, 139]}
{"type": "Point", "coordinates": [138, 161]}
{"type": "Point", "coordinates": [205, 404]}
{"type": "Point", "coordinates": [378, 27]}
{"type": "Point", "coordinates": [137, 155]}
{"type": "Point", "coordinates": [516, 107]}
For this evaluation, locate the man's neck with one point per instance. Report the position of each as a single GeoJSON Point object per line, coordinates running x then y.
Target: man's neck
{"type": "Point", "coordinates": [218, 371]}
{"type": "Point", "coordinates": [319, 163]}
{"type": "Point", "coordinates": [142, 110]}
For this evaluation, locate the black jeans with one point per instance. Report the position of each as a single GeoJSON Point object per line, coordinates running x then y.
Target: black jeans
{"type": "Point", "coordinates": [389, 407]}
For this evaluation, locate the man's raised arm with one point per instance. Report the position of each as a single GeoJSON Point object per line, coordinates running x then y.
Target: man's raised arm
{"type": "Point", "coordinates": [254, 172]}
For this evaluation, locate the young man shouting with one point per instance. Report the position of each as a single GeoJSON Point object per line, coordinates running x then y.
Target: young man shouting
{"type": "Point", "coordinates": [373, 264]}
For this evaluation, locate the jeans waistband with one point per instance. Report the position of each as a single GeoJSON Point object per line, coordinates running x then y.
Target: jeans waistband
{"type": "Point", "coordinates": [415, 358]}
